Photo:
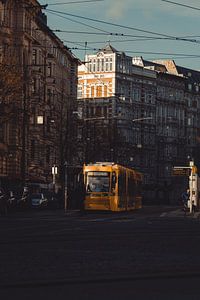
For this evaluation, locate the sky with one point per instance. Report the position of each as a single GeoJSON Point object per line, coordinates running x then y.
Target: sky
{"type": "Point", "coordinates": [147, 28]}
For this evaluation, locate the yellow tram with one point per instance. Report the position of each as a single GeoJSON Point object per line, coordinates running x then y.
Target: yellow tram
{"type": "Point", "coordinates": [112, 187]}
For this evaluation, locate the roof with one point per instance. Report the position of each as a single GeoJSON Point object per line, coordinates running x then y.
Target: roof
{"type": "Point", "coordinates": [191, 75]}
{"type": "Point", "coordinates": [154, 66]}
{"type": "Point", "coordinates": [109, 49]}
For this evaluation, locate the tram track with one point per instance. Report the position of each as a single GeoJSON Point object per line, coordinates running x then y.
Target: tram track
{"type": "Point", "coordinates": [82, 231]}
{"type": "Point", "coordinates": [86, 252]}
{"type": "Point", "coordinates": [101, 279]}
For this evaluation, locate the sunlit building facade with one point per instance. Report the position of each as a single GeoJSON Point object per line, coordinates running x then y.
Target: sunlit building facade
{"type": "Point", "coordinates": [150, 111]}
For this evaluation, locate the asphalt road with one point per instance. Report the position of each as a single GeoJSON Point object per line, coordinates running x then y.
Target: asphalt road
{"type": "Point", "coordinates": [148, 254]}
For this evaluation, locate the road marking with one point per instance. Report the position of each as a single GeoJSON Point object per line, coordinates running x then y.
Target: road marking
{"type": "Point", "coordinates": [99, 220]}
{"type": "Point", "coordinates": [163, 214]}
{"type": "Point", "coordinates": [124, 220]}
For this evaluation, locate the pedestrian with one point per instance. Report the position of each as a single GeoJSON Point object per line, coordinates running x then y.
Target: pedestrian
{"type": "Point", "coordinates": [193, 207]}
{"type": "Point", "coordinates": [185, 197]}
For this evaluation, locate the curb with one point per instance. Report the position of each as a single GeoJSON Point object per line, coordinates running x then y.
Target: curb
{"type": "Point", "coordinates": [180, 213]}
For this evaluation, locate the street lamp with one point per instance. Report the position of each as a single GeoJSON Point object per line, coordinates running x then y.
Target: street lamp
{"type": "Point", "coordinates": [54, 173]}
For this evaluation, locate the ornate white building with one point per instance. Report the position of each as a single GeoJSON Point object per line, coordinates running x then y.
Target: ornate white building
{"type": "Point", "coordinates": [150, 112]}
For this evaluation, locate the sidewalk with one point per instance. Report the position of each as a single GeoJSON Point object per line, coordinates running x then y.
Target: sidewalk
{"type": "Point", "coordinates": [180, 214]}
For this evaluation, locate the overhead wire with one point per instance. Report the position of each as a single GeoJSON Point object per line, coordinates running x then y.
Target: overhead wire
{"type": "Point", "coordinates": [73, 2]}
{"type": "Point", "coordinates": [87, 32]}
{"type": "Point", "coordinates": [113, 24]}
{"type": "Point", "coordinates": [126, 35]}
{"type": "Point", "coordinates": [146, 52]}
{"type": "Point", "coordinates": [123, 26]}
{"type": "Point", "coordinates": [104, 32]}
{"type": "Point", "coordinates": [181, 4]}
{"type": "Point", "coordinates": [177, 55]}
{"type": "Point", "coordinates": [44, 6]}
{"type": "Point", "coordinates": [122, 35]}
{"type": "Point", "coordinates": [78, 22]}
{"type": "Point", "coordinates": [160, 36]}
{"type": "Point", "coordinates": [126, 40]}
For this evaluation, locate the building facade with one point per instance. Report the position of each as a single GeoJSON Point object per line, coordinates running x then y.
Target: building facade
{"type": "Point", "coordinates": [143, 114]}
{"type": "Point", "coordinates": [117, 103]}
{"type": "Point", "coordinates": [35, 137]}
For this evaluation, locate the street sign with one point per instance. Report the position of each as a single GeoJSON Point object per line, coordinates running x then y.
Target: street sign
{"type": "Point", "coordinates": [181, 171]}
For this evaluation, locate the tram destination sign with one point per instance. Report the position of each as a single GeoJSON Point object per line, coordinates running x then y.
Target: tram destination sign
{"type": "Point", "coordinates": [181, 171]}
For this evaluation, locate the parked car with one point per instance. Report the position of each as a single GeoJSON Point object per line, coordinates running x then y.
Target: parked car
{"type": "Point", "coordinates": [39, 200]}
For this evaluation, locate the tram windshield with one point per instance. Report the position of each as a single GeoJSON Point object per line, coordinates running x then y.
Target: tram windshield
{"type": "Point", "coordinates": [98, 181]}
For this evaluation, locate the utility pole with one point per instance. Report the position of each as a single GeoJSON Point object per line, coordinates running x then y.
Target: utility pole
{"type": "Point", "coordinates": [191, 172]}
{"type": "Point", "coordinates": [24, 125]}
{"type": "Point", "coordinates": [66, 188]}
{"type": "Point", "coordinates": [193, 187]}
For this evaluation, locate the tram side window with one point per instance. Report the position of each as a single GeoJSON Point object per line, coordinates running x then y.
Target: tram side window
{"type": "Point", "coordinates": [139, 187]}
{"type": "Point", "coordinates": [122, 184]}
{"type": "Point", "coordinates": [113, 182]}
{"type": "Point", "coordinates": [131, 186]}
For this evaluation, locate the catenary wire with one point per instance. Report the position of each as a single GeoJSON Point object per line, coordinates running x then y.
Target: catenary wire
{"type": "Point", "coordinates": [44, 6]}
{"type": "Point", "coordinates": [73, 2]}
{"type": "Point", "coordinates": [78, 22]}
{"type": "Point", "coordinates": [176, 55]}
{"type": "Point", "coordinates": [122, 26]}
{"type": "Point", "coordinates": [181, 4]}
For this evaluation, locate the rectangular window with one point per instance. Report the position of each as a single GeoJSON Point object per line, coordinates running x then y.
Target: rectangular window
{"type": "Point", "coordinates": [92, 91]}
{"type": "Point", "coordinates": [34, 85]}
{"type": "Point", "coordinates": [49, 96]}
{"type": "Point", "coordinates": [90, 67]}
{"type": "Point", "coordinates": [48, 154]}
{"type": "Point", "coordinates": [49, 69]}
{"type": "Point", "coordinates": [3, 165]}
{"type": "Point", "coordinates": [80, 92]}
{"type": "Point", "coordinates": [34, 57]}
{"type": "Point", "coordinates": [107, 64]}
{"type": "Point", "coordinates": [99, 91]}
{"type": "Point", "coordinates": [32, 149]}
{"type": "Point", "coordinates": [49, 121]}
{"type": "Point", "coordinates": [102, 64]}
{"type": "Point", "coordinates": [1, 133]}
{"type": "Point", "coordinates": [105, 91]}
{"type": "Point", "coordinates": [98, 63]}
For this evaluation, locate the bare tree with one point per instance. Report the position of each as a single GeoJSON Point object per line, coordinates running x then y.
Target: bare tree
{"type": "Point", "coordinates": [10, 89]}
